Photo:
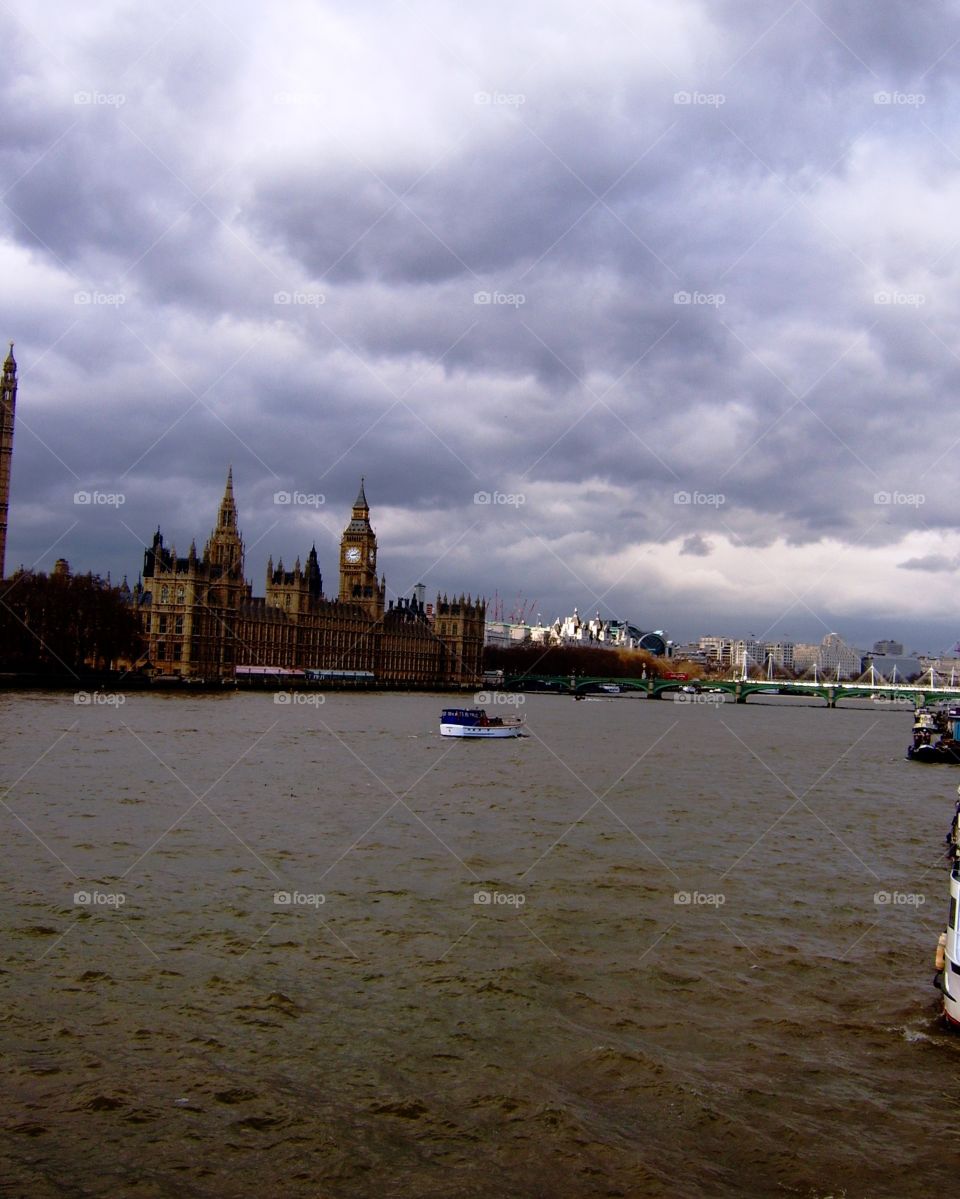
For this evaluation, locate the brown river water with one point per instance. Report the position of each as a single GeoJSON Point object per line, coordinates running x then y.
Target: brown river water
{"type": "Point", "coordinates": [652, 949]}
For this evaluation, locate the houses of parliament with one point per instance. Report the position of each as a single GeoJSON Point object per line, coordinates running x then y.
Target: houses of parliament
{"type": "Point", "coordinates": [200, 619]}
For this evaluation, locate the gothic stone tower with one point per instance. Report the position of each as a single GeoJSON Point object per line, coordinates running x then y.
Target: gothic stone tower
{"type": "Point", "coordinates": [191, 615]}
{"type": "Point", "coordinates": [294, 591]}
{"type": "Point", "coordinates": [8, 403]}
{"type": "Point", "coordinates": [224, 549]}
{"type": "Point", "coordinates": [358, 561]}
{"type": "Point", "coordinates": [460, 625]}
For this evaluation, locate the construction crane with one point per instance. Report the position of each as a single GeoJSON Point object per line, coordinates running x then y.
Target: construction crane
{"type": "Point", "coordinates": [522, 610]}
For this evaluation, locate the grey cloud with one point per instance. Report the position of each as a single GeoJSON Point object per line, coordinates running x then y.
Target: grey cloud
{"type": "Point", "coordinates": [934, 563]}
{"type": "Point", "coordinates": [696, 546]}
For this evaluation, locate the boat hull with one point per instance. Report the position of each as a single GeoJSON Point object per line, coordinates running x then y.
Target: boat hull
{"type": "Point", "coordinates": [933, 755]}
{"type": "Point", "coordinates": [948, 978]}
{"type": "Point", "coordinates": [478, 732]}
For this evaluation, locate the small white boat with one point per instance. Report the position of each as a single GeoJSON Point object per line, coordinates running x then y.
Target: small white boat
{"type": "Point", "coordinates": [947, 977]}
{"type": "Point", "coordinates": [474, 722]}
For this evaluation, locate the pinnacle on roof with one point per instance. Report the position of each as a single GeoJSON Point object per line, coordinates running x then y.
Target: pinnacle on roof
{"type": "Point", "coordinates": [361, 500]}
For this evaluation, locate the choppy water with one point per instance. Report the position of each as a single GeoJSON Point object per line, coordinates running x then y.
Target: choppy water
{"type": "Point", "coordinates": [777, 1035]}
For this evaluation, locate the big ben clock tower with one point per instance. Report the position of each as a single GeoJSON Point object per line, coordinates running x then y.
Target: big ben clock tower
{"type": "Point", "coordinates": [358, 560]}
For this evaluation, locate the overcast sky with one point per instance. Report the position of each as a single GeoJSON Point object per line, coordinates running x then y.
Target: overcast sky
{"type": "Point", "coordinates": [674, 285]}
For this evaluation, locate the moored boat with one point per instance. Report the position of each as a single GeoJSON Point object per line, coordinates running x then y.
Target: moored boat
{"type": "Point", "coordinates": [474, 722]}
{"type": "Point", "coordinates": [947, 978]}
{"type": "Point", "coordinates": [936, 736]}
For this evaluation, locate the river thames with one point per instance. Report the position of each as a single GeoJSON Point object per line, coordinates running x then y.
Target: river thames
{"type": "Point", "coordinates": [313, 950]}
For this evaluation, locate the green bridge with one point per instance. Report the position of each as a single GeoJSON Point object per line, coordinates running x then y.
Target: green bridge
{"type": "Point", "coordinates": [739, 690]}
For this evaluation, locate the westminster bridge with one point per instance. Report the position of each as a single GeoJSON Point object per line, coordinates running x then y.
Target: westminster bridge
{"type": "Point", "coordinates": [740, 690]}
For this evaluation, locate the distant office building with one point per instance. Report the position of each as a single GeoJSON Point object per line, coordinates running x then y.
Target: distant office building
{"type": "Point", "coordinates": [888, 647]}
{"type": "Point", "coordinates": [780, 653]}
{"type": "Point", "coordinates": [896, 668]}
{"type": "Point", "coordinates": [948, 669]}
{"type": "Point", "coordinates": [718, 650]}
{"type": "Point", "coordinates": [502, 634]}
{"type": "Point", "coordinates": [838, 660]}
{"type": "Point", "coordinates": [748, 655]}
{"type": "Point", "coordinates": [805, 657]}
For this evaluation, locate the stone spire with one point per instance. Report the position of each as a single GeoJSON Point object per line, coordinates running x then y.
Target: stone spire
{"type": "Point", "coordinates": [227, 516]}
{"type": "Point", "coordinates": [225, 547]}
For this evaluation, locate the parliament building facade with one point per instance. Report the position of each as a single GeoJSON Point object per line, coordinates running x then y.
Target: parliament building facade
{"type": "Point", "coordinates": [200, 619]}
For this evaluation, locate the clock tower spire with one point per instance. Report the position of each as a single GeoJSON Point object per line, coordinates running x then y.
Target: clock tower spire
{"type": "Point", "coordinates": [358, 560]}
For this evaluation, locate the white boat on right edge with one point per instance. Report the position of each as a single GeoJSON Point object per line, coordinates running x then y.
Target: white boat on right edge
{"type": "Point", "coordinates": [947, 978]}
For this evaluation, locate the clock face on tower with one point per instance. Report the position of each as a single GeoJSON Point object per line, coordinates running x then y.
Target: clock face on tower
{"type": "Point", "coordinates": [371, 556]}
{"type": "Point", "coordinates": [352, 555]}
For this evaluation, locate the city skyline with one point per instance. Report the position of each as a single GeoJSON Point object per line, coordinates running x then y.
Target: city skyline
{"type": "Point", "coordinates": [643, 309]}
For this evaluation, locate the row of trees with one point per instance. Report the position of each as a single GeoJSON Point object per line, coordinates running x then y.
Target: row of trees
{"type": "Point", "coordinates": [63, 624]}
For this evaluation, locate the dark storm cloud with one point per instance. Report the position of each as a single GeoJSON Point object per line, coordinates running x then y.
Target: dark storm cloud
{"type": "Point", "coordinates": [649, 271]}
{"type": "Point", "coordinates": [696, 546]}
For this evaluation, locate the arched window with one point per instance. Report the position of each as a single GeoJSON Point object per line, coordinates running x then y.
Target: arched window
{"type": "Point", "coordinates": [180, 595]}
{"type": "Point", "coordinates": [164, 594]}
